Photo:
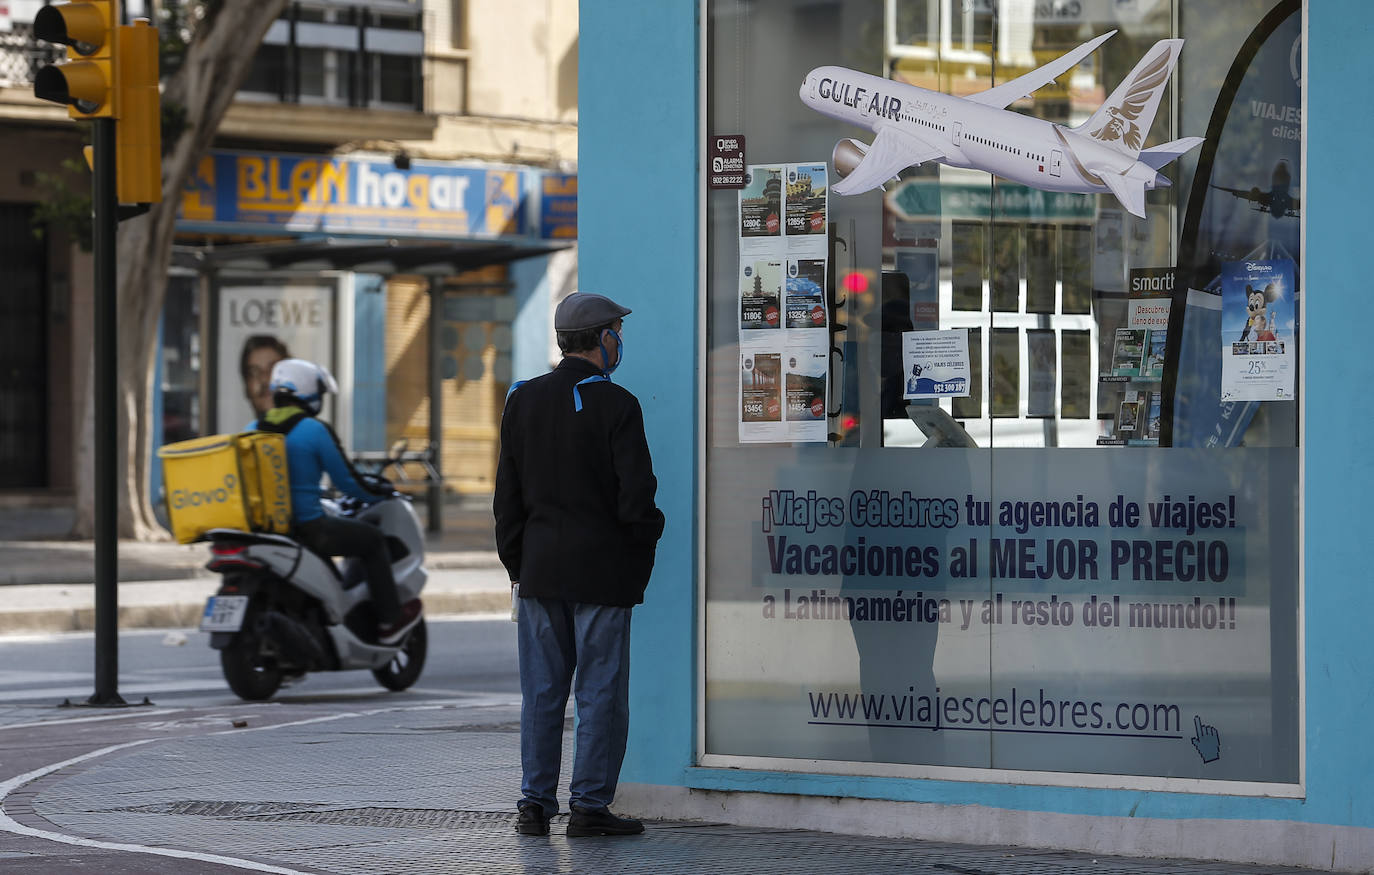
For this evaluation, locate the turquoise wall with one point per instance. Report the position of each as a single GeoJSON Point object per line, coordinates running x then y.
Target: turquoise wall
{"type": "Point", "coordinates": [637, 208]}
{"type": "Point", "coordinates": [638, 166]}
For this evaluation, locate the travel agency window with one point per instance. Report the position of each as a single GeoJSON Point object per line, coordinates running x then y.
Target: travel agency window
{"type": "Point", "coordinates": [1002, 335]}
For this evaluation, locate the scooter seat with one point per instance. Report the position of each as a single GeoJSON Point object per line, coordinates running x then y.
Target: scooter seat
{"type": "Point", "coordinates": [326, 559]}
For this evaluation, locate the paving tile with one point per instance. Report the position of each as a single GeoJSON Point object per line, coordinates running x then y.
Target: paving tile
{"type": "Point", "coordinates": [436, 796]}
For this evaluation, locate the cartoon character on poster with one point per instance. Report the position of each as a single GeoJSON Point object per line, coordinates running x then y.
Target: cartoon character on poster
{"type": "Point", "coordinates": [1258, 329]}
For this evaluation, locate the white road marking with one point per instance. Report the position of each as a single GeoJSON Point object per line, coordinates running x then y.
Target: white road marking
{"type": "Point", "coordinates": [126, 690]}
{"type": "Point", "coordinates": [8, 824]}
{"type": "Point", "coordinates": [61, 721]}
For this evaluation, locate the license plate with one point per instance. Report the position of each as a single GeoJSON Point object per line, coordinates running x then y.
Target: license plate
{"type": "Point", "coordinates": [224, 613]}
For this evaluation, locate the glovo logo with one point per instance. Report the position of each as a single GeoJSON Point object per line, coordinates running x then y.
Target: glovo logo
{"type": "Point", "coordinates": [184, 498]}
{"type": "Point", "coordinates": [280, 488]}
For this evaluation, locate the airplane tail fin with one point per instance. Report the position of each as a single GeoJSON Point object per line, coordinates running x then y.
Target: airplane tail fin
{"type": "Point", "coordinates": [1123, 121]}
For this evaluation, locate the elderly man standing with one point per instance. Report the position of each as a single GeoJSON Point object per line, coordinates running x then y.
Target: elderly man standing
{"type": "Point", "coordinates": [576, 528]}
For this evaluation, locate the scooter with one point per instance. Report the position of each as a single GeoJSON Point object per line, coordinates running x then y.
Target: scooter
{"type": "Point", "coordinates": [283, 610]}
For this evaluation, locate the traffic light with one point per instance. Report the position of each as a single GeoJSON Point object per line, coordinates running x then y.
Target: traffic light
{"type": "Point", "coordinates": [111, 73]}
{"type": "Point", "coordinates": [86, 82]}
{"type": "Point", "coordinates": [138, 143]}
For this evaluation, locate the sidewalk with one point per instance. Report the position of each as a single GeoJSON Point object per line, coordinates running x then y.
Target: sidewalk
{"type": "Point", "coordinates": [46, 579]}
{"type": "Point", "coordinates": [431, 788]}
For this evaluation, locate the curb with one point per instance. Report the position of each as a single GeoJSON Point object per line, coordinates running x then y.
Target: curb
{"type": "Point", "coordinates": [184, 615]}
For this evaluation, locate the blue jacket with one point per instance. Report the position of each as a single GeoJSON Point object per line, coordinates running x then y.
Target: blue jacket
{"type": "Point", "coordinates": [312, 449]}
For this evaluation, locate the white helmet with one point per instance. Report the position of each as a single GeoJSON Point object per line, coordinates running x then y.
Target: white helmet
{"type": "Point", "coordinates": [305, 381]}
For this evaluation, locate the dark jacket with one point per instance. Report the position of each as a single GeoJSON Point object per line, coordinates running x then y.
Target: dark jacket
{"type": "Point", "coordinates": [574, 501]}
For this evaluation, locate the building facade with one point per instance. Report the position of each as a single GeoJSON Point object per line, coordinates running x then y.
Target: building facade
{"type": "Point", "coordinates": [378, 164]}
{"type": "Point", "coordinates": [994, 510]}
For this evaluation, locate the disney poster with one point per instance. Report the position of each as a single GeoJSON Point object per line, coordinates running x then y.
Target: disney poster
{"type": "Point", "coordinates": [1258, 331]}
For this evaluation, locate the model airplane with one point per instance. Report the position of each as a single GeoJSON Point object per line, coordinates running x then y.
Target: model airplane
{"type": "Point", "coordinates": [914, 125]}
{"type": "Point", "coordinates": [1277, 201]}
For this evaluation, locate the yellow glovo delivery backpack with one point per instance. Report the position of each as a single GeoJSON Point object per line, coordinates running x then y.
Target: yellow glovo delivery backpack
{"type": "Point", "coordinates": [227, 481]}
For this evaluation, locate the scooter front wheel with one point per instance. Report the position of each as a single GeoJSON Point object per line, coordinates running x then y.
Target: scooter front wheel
{"type": "Point", "coordinates": [251, 675]}
{"type": "Point", "coordinates": [405, 667]}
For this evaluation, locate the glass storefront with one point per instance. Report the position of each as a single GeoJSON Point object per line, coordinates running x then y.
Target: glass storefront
{"type": "Point", "coordinates": [1002, 467]}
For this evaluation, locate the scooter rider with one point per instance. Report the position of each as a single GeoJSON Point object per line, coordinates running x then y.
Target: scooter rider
{"type": "Point", "coordinates": [312, 449]}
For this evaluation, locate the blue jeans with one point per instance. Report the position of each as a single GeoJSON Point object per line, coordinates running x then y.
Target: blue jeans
{"type": "Point", "coordinates": [586, 648]}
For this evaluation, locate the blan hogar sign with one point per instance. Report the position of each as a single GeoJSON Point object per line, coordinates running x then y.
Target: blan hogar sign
{"type": "Point", "coordinates": [356, 195]}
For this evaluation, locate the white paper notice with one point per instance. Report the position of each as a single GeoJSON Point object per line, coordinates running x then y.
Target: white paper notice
{"type": "Point", "coordinates": [935, 364]}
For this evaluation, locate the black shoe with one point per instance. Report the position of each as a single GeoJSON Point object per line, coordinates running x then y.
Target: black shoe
{"type": "Point", "coordinates": [532, 821]}
{"type": "Point", "coordinates": [601, 823]}
{"type": "Point", "coordinates": [391, 634]}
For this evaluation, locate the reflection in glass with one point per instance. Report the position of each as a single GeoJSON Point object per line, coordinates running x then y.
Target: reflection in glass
{"type": "Point", "coordinates": [1076, 268]}
{"type": "Point", "coordinates": [1039, 268]}
{"type": "Point", "coordinates": [1006, 267]}
{"type": "Point", "coordinates": [972, 406]}
{"type": "Point", "coordinates": [967, 264]}
{"type": "Point", "coordinates": [1077, 377]}
{"type": "Point", "coordinates": [1005, 378]}
{"type": "Point", "coordinates": [1041, 366]}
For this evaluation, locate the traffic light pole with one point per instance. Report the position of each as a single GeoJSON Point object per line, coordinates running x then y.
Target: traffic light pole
{"type": "Point", "coordinates": [105, 373]}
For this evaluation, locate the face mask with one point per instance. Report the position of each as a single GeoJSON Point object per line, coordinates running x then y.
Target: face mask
{"type": "Point", "coordinates": [605, 356]}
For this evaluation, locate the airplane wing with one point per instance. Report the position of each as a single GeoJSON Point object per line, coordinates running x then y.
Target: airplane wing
{"type": "Point", "coordinates": [1001, 96]}
{"type": "Point", "coordinates": [1255, 195]}
{"type": "Point", "coordinates": [892, 152]}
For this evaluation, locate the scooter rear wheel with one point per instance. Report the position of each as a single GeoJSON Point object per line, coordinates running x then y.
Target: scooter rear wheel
{"type": "Point", "coordinates": [405, 667]}
{"type": "Point", "coordinates": [251, 676]}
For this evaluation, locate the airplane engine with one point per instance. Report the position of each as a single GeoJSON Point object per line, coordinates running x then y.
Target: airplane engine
{"type": "Point", "coordinates": [847, 155]}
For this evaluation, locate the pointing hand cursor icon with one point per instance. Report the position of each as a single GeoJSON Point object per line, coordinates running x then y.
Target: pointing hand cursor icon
{"type": "Point", "coordinates": [1206, 740]}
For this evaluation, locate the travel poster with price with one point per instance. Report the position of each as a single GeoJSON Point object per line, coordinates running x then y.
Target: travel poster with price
{"type": "Point", "coordinates": [1083, 611]}
{"type": "Point", "coordinates": [1258, 331]}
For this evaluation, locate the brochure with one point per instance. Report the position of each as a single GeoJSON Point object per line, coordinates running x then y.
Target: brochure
{"type": "Point", "coordinates": [1128, 417]}
{"type": "Point", "coordinates": [1154, 355]}
{"type": "Point", "coordinates": [1127, 352]}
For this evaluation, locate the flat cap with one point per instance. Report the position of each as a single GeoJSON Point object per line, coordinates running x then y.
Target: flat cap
{"type": "Point", "coordinates": [582, 310]}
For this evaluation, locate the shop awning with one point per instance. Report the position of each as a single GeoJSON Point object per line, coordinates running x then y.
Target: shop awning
{"type": "Point", "coordinates": [375, 256]}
